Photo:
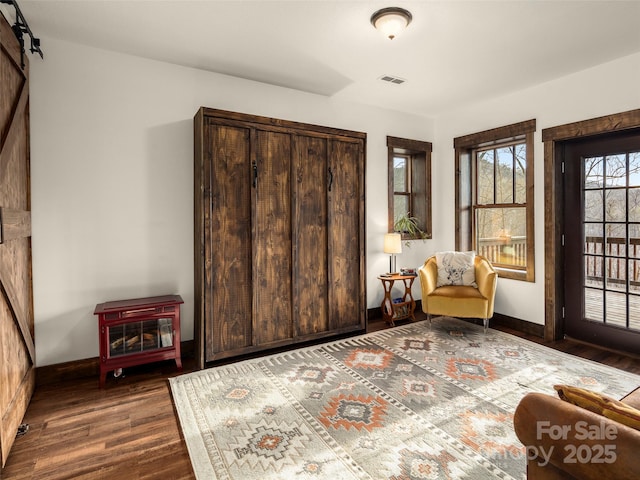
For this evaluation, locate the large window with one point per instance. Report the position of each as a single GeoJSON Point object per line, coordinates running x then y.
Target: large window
{"type": "Point", "coordinates": [410, 184]}
{"type": "Point", "coordinates": [494, 197]}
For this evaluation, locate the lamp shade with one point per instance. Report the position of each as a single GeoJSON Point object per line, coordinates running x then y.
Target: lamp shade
{"type": "Point", "coordinates": [391, 21]}
{"type": "Point", "coordinates": [392, 243]}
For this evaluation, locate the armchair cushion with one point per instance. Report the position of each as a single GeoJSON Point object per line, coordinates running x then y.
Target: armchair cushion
{"type": "Point", "coordinates": [456, 268]}
{"type": "Point", "coordinates": [465, 301]}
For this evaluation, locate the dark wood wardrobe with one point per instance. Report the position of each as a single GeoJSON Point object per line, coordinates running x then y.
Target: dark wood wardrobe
{"type": "Point", "coordinates": [279, 233]}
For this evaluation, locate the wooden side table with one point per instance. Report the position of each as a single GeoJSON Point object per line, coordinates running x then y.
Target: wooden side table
{"type": "Point", "coordinates": [137, 331]}
{"type": "Point", "coordinates": [400, 310]}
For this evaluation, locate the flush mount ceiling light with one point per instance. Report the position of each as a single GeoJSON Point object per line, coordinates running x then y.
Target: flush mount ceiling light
{"type": "Point", "coordinates": [391, 21]}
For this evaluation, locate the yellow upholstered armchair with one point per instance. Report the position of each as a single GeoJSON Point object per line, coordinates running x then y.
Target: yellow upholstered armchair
{"type": "Point", "coordinates": [458, 291]}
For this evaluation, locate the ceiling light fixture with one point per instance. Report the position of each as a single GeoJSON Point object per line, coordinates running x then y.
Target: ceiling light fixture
{"type": "Point", "coordinates": [391, 21]}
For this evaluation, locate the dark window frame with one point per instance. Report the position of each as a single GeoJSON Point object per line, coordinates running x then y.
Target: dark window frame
{"type": "Point", "coordinates": [418, 154]}
{"type": "Point", "coordinates": [465, 185]}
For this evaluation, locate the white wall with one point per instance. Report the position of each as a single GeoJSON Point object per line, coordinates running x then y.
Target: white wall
{"type": "Point", "coordinates": [112, 154]}
{"type": "Point", "coordinates": [112, 173]}
{"type": "Point", "coordinates": [606, 89]}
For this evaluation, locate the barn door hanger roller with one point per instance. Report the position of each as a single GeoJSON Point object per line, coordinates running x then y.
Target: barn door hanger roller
{"type": "Point", "coordinates": [19, 29]}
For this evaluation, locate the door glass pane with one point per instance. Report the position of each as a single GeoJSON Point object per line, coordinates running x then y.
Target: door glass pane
{"type": "Point", "coordinates": [634, 169]}
{"type": "Point", "coordinates": [593, 205]}
{"type": "Point", "coordinates": [615, 205]}
{"type": "Point", "coordinates": [616, 239]}
{"type": "Point", "coordinates": [593, 308]}
{"type": "Point", "coordinates": [593, 271]}
{"type": "Point", "coordinates": [634, 204]}
{"type": "Point", "coordinates": [616, 313]}
{"type": "Point", "coordinates": [593, 172]}
{"type": "Point", "coordinates": [616, 270]}
{"type": "Point", "coordinates": [634, 312]}
{"type": "Point", "coordinates": [616, 170]}
{"type": "Point", "coordinates": [485, 177]}
{"type": "Point", "coordinates": [593, 239]}
{"type": "Point", "coordinates": [501, 235]}
{"type": "Point", "coordinates": [504, 175]}
{"type": "Point", "coordinates": [634, 241]}
{"type": "Point", "coordinates": [634, 275]}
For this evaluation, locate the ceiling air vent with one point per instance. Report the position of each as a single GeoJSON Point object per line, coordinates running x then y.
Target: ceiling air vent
{"type": "Point", "coordinates": [390, 79]}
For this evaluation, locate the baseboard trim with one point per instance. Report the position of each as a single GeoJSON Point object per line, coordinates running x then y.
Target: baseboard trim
{"type": "Point", "coordinates": [48, 374]}
{"type": "Point", "coordinates": [90, 367]}
{"type": "Point", "coordinates": [374, 314]}
{"type": "Point", "coordinates": [521, 326]}
{"type": "Point", "coordinates": [87, 367]}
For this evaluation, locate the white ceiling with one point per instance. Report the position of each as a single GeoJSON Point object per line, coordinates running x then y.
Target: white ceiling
{"type": "Point", "coordinates": [454, 52]}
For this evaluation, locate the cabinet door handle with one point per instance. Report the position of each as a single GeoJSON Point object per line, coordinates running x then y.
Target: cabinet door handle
{"type": "Point", "coordinates": [330, 178]}
{"type": "Point", "coordinates": [254, 167]}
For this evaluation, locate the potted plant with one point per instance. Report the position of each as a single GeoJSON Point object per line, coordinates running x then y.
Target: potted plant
{"type": "Point", "coordinates": [408, 227]}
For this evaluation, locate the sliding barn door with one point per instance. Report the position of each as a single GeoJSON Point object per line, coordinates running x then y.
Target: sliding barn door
{"type": "Point", "coordinates": [17, 351]}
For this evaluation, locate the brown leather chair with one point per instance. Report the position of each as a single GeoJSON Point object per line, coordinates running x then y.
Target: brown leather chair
{"type": "Point", "coordinates": [555, 456]}
{"type": "Point", "coordinates": [459, 300]}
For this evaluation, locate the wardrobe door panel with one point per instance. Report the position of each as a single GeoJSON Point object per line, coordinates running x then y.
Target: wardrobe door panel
{"type": "Point", "coordinates": [272, 238]}
{"type": "Point", "coordinates": [346, 233]}
{"type": "Point", "coordinates": [229, 318]}
{"type": "Point", "coordinates": [310, 235]}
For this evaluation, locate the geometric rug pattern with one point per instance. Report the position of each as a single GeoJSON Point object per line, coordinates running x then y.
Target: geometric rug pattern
{"type": "Point", "coordinates": [406, 403]}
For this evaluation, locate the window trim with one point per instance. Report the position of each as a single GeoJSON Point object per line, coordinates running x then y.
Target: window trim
{"type": "Point", "coordinates": [465, 147]}
{"type": "Point", "coordinates": [416, 150]}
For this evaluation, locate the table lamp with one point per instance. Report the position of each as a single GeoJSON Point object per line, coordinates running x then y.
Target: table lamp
{"type": "Point", "coordinates": [392, 245]}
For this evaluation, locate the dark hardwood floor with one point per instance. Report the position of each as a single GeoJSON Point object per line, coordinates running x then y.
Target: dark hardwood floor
{"type": "Point", "coordinates": [129, 429]}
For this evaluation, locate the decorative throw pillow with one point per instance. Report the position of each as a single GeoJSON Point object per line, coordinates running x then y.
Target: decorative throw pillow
{"type": "Point", "coordinates": [456, 268]}
{"type": "Point", "coordinates": [600, 404]}
{"type": "Point", "coordinates": [592, 401]}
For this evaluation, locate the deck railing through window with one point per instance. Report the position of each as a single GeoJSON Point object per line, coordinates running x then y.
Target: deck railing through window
{"type": "Point", "coordinates": [598, 256]}
{"type": "Point", "coordinates": [611, 256]}
{"type": "Point", "coordinates": [507, 251]}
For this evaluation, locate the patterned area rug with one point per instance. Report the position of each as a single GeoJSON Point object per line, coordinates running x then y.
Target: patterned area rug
{"type": "Point", "coordinates": [404, 403]}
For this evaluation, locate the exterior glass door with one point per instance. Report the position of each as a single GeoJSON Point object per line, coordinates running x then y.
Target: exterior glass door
{"type": "Point", "coordinates": [602, 241]}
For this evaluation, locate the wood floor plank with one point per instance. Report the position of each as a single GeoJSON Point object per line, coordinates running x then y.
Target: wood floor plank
{"type": "Point", "coordinates": [129, 429]}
